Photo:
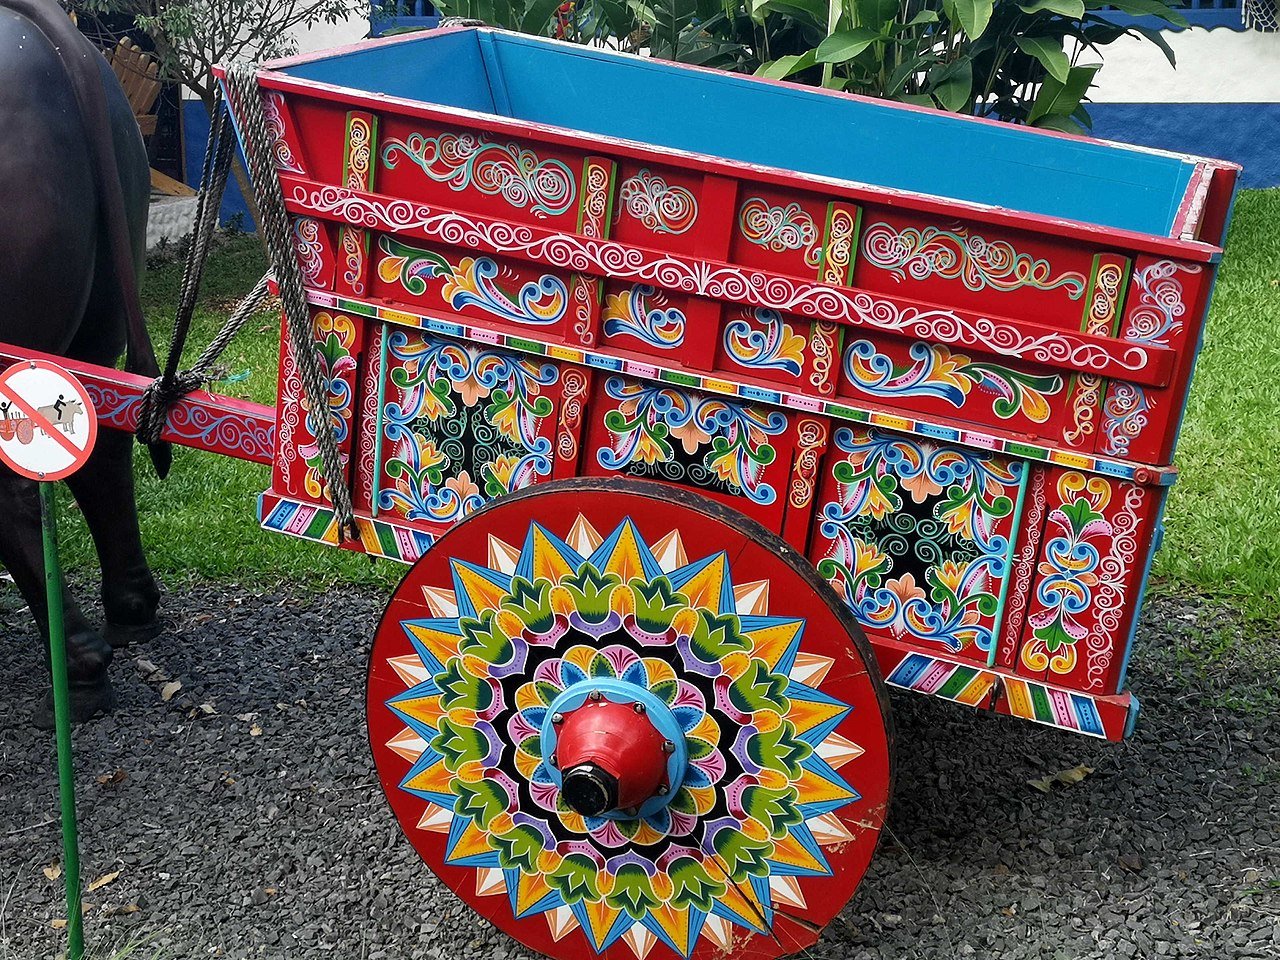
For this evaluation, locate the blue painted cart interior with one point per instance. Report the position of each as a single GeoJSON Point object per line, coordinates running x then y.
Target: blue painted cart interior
{"type": "Point", "coordinates": [784, 126]}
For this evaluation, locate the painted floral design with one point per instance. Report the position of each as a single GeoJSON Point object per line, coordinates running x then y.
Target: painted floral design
{"type": "Point", "coordinates": [473, 282]}
{"type": "Point", "coordinates": [980, 264]}
{"type": "Point", "coordinates": [470, 161]}
{"type": "Point", "coordinates": [780, 228]}
{"type": "Point", "coordinates": [758, 805]}
{"type": "Point", "coordinates": [660, 206]}
{"type": "Point", "coordinates": [638, 313]}
{"type": "Point", "coordinates": [335, 336]}
{"type": "Point", "coordinates": [762, 340]}
{"type": "Point", "coordinates": [464, 424]}
{"type": "Point", "coordinates": [688, 437]}
{"type": "Point", "coordinates": [920, 536]}
{"type": "Point", "coordinates": [1068, 574]}
{"type": "Point", "coordinates": [935, 371]}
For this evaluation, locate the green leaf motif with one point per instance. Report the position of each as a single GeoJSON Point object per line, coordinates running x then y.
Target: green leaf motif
{"type": "Point", "coordinates": [462, 690]}
{"type": "Point", "coordinates": [480, 801]}
{"type": "Point", "coordinates": [485, 639]}
{"type": "Point", "coordinates": [759, 689]}
{"type": "Point", "coordinates": [531, 602]}
{"type": "Point", "coordinates": [459, 744]}
{"type": "Point", "coordinates": [632, 891]}
{"type": "Point", "coordinates": [575, 879]}
{"type": "Point", "coordinates": [518, 849]}
{"type": "Point", "coordinates": [693, 887]}
{"type": "Point", "coordinates": [590, 591]}
{"type": "Point", "coordinates": [741, 856]}
{"type": "Point", "coordinates": [777, 808]}
{"type": "Point", "coordinates": [780, 749]}
{"type": "Point", "coordinates": [974, 16]}
{"type": "Point", "coordinates": [716, 636]}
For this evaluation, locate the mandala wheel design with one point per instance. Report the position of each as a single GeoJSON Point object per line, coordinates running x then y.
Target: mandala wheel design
{"type": "Point", "coordinates": [618, 719]}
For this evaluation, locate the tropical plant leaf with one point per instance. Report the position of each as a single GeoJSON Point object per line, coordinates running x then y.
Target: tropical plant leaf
{"type": "Point", "coordinates": [954, 85]}
{"type": "Point", "coordinates": [538, 15]}
{"type": "Point", "coordinates": [876, 13]}
{"type": "Point", "coordinates": [974, 16]}
{"type": "Point", "coordinates": [1061, 99]}
{"type": "Point", "coordinates": [1140, 8]}
{"type": "Point", "coordinates": [845, 45]}
{"type": "Point", "coordinates": [1071, 9]}
{"type": "Point", "coordinates": [784, 67]}
{"type": "Point", "coordinates": [1050, 54]}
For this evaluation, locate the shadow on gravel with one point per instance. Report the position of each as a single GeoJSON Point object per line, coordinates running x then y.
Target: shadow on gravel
{"type": "Point", "coordinates": [244, 818]}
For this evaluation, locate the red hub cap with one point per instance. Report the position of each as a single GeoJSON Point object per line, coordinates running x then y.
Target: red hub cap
{"type": "Point", "coordinates": [611, 756]}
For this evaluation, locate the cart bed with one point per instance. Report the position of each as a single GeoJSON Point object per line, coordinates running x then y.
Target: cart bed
{"type": "Point", "coordinates": [946, 359]}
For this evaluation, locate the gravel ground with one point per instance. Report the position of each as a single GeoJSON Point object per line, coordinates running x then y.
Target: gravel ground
{"type": "Point", "coordinates": [244, 819]}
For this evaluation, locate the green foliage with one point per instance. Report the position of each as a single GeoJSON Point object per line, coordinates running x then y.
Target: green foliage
{"type": "Point", "coordinates": [191, 37]}
{"type": "Point", "coordinates": [1030, 62]}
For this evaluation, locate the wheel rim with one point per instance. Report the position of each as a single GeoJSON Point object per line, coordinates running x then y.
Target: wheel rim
{"type": "Point", "coordinates": [778, 790]}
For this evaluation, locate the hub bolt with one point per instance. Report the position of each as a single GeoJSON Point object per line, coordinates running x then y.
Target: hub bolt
{"type": "Point", "coordinates": [639, 708]}
{"type": "Point", "coordinates": [595, 696]}
{"type": "Point", "coordinates": [555, 761]}
{"type": "Point", "coordinates": [557, 718]}
{"type": "Point", "coordinates": [668, 747]}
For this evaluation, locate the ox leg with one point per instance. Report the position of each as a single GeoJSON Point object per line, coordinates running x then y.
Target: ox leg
{"type": "Point", "coordinates": [22, 553]}
{"type": "Point", "coordinates": [104, 490]}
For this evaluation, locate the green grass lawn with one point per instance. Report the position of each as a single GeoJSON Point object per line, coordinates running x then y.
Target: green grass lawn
{"type": "Point", "coordinates": [1223, 518]}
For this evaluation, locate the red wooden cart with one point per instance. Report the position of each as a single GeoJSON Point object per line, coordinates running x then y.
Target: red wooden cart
{"type": "Point", "coordinates": [806, 395]}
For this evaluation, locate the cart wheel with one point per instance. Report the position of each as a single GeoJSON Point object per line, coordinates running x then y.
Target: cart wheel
{"type": "Point", "coordinates": [617, 718]}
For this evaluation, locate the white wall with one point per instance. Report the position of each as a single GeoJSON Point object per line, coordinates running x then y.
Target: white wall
{"type": "Point", "coordinates": [1214, 66]}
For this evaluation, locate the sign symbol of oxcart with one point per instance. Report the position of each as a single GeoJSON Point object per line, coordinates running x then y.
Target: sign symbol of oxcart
{"type": "Point", "coordinates": [47, 421]}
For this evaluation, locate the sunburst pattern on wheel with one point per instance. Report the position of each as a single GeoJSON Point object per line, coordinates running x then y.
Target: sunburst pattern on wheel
{"type": "Point", "coordinates": [763, 805]}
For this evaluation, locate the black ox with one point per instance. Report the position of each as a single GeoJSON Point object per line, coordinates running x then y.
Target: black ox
{"type": "Point", "coordinates": [74, 188]}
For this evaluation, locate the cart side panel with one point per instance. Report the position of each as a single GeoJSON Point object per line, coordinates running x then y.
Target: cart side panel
{"type": "Point", "coordinates": [1166, 306]}
{"type": "Point", "coordinates": [917, 536]}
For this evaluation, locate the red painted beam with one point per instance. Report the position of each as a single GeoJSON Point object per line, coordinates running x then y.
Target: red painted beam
{"type": "Point", "coordinates": [205, 421]}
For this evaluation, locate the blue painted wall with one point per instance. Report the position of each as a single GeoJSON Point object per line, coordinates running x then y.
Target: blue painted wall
{"type": "Point", "coordinates": [1246, 133]}
{"type": "Point", "coordinates": [195, 133]}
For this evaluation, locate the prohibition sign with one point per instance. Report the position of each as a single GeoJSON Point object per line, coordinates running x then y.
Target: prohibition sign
{"type": "Point", "coordinates": [47, 422]}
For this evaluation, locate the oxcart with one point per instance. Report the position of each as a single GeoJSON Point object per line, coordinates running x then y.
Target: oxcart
{"type": "Point", "coordinates": [705, 408]}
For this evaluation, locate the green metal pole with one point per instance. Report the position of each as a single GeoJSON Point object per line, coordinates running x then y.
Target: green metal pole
{"type": "Point", "coordinates": [62, 717]}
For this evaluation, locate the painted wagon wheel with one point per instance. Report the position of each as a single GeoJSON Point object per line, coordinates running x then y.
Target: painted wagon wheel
{"type": "Point", "coordinates": [619, 719]}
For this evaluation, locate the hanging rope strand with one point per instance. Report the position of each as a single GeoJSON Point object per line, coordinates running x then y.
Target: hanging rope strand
{"type": "Point", "coordinates": [245, 99]}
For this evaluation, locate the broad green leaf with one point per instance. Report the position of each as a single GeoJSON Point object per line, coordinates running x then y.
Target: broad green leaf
{"type": "Point", "coordinates": [1061, 99]}
{"type": "Point", "coordinates": [918, 99]}
{"type": "Point", "coordinates": [784, 67]}
{"type": "Point", "coordinates": [924, 16]}
{"type": "Point", "coordinates": [538, 16]}
{"type": "Point", "coordinates": [846, 45]}
{"type": "Point", "coordinates": [1142, 8]}
{"type": "Point", "coordinates": [1058, 122]}
{"type": "Point", "coordinates": [1071, 9]}
{"type": "Point", "coordinates": [974, 16]}
{"type": "Point", "coordinates": [876, 13]}
{"type": "Point", "coordinates": [954, 85]}
{"type": "Point", "coordinates": [1050, 54]}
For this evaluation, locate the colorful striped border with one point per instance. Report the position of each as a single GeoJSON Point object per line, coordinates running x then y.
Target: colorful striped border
{"type": "Point", "coordinates": [1136, 473]}
{"type": "Point", "coordinates": [1106, 718]}
{"type": "Point", "coordinates": [316, 522]}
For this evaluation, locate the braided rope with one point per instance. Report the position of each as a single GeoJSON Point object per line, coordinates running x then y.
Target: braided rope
{"type": "Point", "coordinates": [172, 385]}
{"type": "Point", "coordinates": [165, 391]}
{"type": "Point", "coordinates": [243, 98]}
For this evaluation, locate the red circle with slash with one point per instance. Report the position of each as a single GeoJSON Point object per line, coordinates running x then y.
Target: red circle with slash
{"type": "Point", "coordinates": [47, 421]}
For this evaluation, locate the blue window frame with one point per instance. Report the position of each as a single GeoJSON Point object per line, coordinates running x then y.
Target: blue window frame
{"type": "Point", "coordinates": [398, 16]}
{"type": "Point", "coordinates": [1199, 13]}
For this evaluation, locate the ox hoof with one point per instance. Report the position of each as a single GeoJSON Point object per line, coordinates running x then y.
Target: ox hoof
{"type": "Point", "coordinates": [87, 701]}
{"type": "Point", "coordinates": [121, 635]}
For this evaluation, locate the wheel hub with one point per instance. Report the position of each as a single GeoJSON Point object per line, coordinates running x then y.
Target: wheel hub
{"type": "Point", "coordinates": [614, 749]}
